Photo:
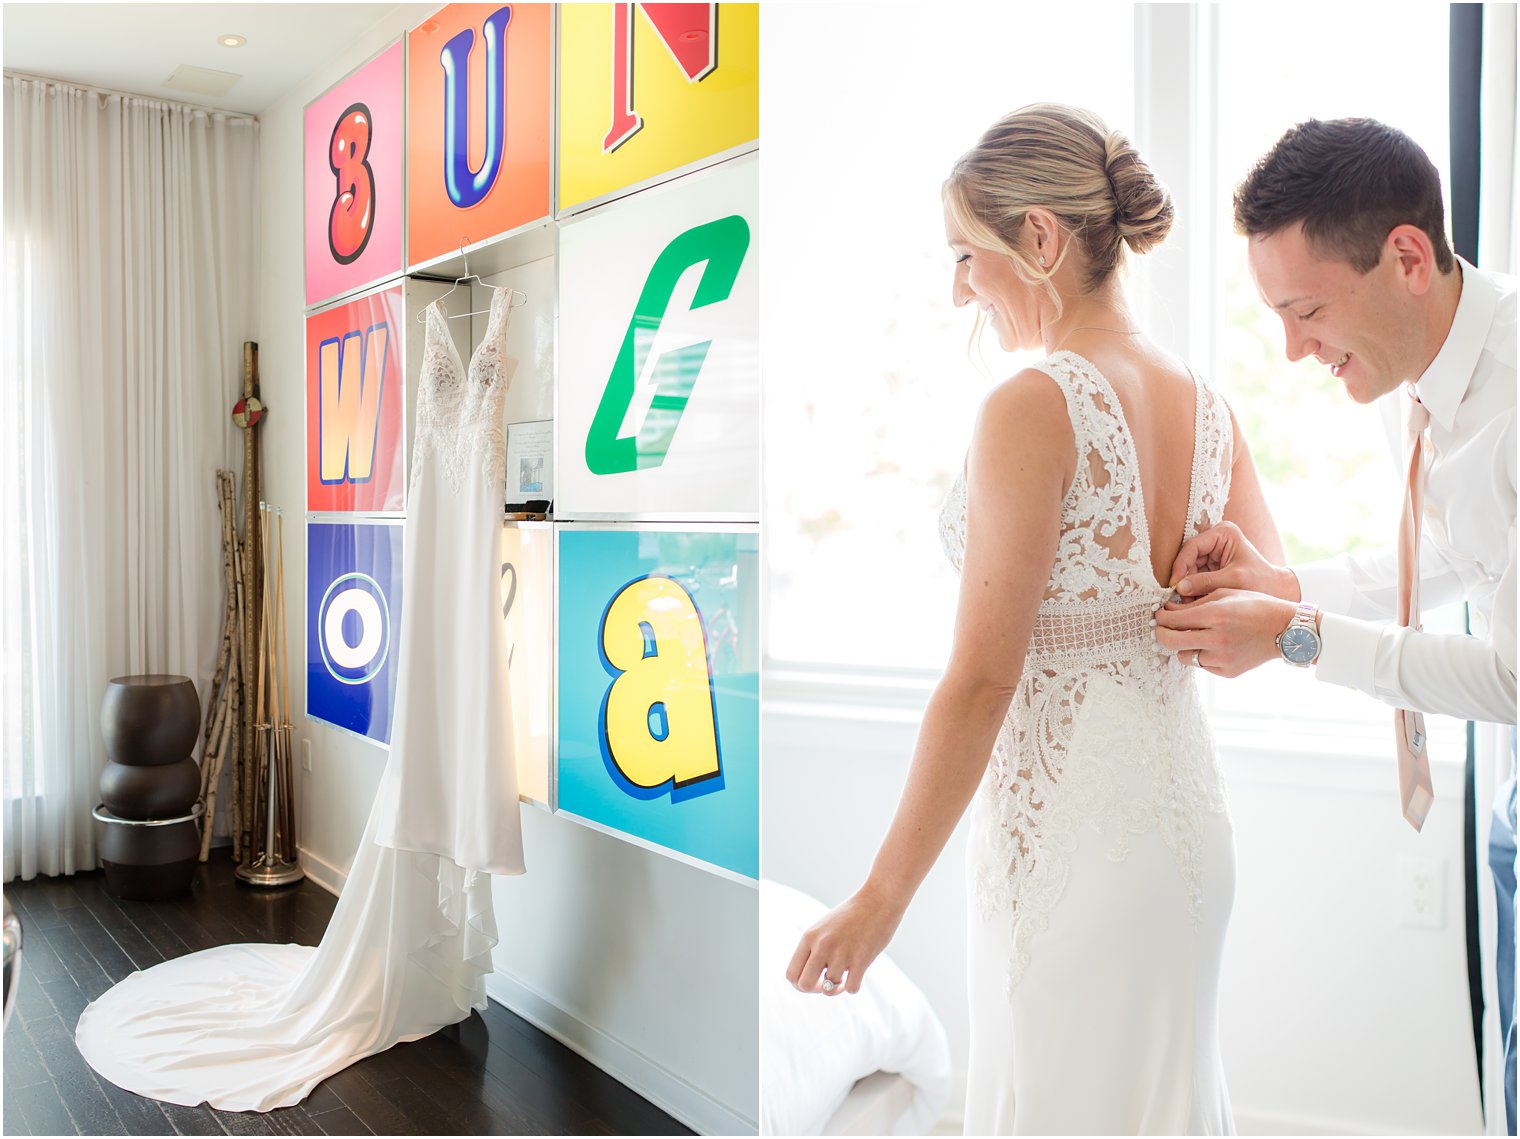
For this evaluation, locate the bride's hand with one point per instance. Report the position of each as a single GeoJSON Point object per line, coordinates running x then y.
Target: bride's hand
{"type": "Point", "coordinates": [843, 943]}
{"type": "Point", "coordinates": [1223, 558]}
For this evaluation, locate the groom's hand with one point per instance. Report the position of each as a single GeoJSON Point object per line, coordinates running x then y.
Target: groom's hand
{"type": "Point", "coordinates": [1223, 558]}
{"type": "Point", "coordinates": [1229, 632]}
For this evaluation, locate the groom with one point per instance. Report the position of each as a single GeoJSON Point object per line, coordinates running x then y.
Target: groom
{"type": "Point", "coordinates": [1347, 245]}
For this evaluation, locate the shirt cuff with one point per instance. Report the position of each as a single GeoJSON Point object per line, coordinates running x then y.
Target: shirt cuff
{"type": "Point", "coordinates": [1326, 584]}
{"type": "Point", "coordinates": [1348, 652]}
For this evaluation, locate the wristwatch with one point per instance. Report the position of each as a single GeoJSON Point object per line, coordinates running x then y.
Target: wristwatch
{"type": "Point", "coordinates": [1299, 643]}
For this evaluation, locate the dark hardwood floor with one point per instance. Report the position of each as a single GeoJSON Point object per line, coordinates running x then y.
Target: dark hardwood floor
{"type": "Point", "coordinates": [491, 1074]}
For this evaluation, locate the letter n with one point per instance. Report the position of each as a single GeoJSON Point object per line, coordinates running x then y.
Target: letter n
{"type": "Point", "coordinates": [688, 31]}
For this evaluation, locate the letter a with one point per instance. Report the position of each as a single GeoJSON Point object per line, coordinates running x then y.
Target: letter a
{"type": "Point", "coordinates": [652, 635]}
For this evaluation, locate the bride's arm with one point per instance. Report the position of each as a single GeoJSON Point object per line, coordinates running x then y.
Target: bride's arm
{"type": "Point", "coordinates": [1021, 463]}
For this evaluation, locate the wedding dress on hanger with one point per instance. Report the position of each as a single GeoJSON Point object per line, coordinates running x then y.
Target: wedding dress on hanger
{"type": "Point", "coordinates": [1100, 860]}
{"type": "Point", "coordinates": [256, 1027]}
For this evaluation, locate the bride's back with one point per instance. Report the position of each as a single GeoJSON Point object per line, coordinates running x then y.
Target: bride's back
{"type": "Point", "coordinates": [1169, 478]}
{"type": "Point", "coordinates": [1158, 400]}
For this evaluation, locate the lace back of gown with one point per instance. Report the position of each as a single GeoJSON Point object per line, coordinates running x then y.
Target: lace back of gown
{"type": "Point", "coordinates": [1099, 853]}
{"type": "Point", "coordinates": [1094, 631]}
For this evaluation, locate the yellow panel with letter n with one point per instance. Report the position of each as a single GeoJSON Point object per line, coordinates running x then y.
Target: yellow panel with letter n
{"type": "Point", "coordinates": [647, 90]}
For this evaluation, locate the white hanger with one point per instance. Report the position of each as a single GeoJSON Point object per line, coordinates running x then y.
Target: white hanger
{"type": "Point", "coordinates": [468, 276]}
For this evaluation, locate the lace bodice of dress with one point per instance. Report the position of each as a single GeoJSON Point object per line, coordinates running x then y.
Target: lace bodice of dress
{"type": "Point", "coordinates": [459, 410]}
{"type": "Point", "coordinates": [1147, 756]}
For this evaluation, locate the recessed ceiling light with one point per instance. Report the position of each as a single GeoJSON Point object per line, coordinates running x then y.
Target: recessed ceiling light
{"type": "Point", "coordinates": [232, 40]}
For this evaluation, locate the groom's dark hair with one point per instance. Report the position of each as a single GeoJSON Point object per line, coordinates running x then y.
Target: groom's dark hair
{"type": "Point", "coordinates": [1349, 181]}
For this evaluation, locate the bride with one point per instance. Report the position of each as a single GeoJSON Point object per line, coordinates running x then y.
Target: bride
{"type": "Point", "coordinates": [1100, 861]}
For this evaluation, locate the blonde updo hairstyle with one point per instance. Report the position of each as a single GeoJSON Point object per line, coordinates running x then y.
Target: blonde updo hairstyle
{"type": "Point", "coordinates": [1067, 161]}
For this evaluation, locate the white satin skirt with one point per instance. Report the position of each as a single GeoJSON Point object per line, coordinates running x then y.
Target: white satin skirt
{"type": "Point", "coordinates": [256, 1027]}
{"type": "Point", "coordinates": [1112, 1028]}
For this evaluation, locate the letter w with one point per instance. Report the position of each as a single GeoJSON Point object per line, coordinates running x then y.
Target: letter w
{"type": "Point", "coordinates": [351, 376]}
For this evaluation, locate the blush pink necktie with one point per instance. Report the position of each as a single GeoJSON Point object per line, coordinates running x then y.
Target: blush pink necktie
{"type": "Point", "coordinates": [1409, 726]}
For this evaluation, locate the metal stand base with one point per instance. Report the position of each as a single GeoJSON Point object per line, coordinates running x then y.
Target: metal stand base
{"type": "Point", "coordinates": [264, 872]}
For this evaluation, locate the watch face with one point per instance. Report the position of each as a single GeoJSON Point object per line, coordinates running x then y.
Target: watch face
{"type": "Point", "coordinates": [1299, 645]}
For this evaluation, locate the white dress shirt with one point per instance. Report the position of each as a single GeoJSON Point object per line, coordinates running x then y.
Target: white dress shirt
{"type": "Point", "coordinates": [1467, 549]}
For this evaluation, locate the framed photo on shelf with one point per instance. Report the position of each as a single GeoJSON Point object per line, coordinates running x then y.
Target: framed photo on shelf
{"type": "Point", "coordinates": [530, 463]}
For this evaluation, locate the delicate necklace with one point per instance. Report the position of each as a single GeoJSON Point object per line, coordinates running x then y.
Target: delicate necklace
{"type": "Point", "coordinates": [1093, 328]}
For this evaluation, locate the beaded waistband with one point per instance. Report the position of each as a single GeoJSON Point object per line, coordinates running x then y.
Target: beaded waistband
{"type": "Point", "coordinates": [1075, 633]}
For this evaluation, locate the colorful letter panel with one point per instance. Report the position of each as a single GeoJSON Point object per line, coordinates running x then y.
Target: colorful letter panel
{"type": "Point", "coordinates": [355, 406]}
{"type": "Point", "coordinates": [479, 116]}
{"type": "Point", "coordinates": [658, 664]}
{"type": "Point", "coordinates": [354, 182]}
{"type": "Point", "coordinates": [353, 624]}
{"type": "Point", "coordinates": [659, 388]}
{"type": "Point", "coordinates": [650, 88]}
{"type": "Point", "coordinates": [527, 603]}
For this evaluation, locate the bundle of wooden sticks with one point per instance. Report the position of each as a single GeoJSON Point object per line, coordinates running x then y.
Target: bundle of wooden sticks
{"type": "Point", "coordinates": [272, 706]}
{"type": "Point", "coordinates": [268, 689]}
{"type": "Point", "coordinates": [226, 685]}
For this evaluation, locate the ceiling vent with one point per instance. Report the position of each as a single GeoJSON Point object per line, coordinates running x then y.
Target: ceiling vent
{"type": "Point", "coordinates": [201, 80]}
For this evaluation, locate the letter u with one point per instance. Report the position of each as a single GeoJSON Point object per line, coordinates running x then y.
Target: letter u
{"type": "Point", "coordinates": [468, 187]}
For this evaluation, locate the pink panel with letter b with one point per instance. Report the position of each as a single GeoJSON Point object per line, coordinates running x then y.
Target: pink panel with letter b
{"type": "Point", "coordinates": [355, 181]}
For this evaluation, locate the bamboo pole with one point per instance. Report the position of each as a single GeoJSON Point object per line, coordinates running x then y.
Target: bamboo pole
{"type": "Point", "coordinates": [267, 866]}
{"type": "Point", "coordinates": [261, 717]}
{"type": "Point", "coordinates": [238, 703]}
{"type": "Point", "coordinates": [271, 780]}
{"type": "Point", "coordinates": [228, 614]}
{"type": "Point", "coordinates": [216, 779]}
{"type": "Point", "coordinates": [252, 586]}
{"type": "Point", "coordinates": [224, 683]}
{"type": "Point", "coordinates": [288, 769]}
{"type": "Point", "coordinates": [217, 700]}
{"type": "Point", "coordinates": [261, 713]}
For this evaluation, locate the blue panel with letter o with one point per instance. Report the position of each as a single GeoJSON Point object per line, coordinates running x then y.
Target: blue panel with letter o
{"type": "Point", "coordinates": [353, 624]}
{"type": "Point", "coordinates": [658, 658]}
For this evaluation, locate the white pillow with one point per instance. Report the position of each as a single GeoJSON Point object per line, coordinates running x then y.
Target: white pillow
{"type": "Point", "coordinates": [813, 1048]}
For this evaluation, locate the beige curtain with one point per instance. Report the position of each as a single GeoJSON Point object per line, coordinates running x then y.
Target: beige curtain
{"type": "Point", "coordinates": [131, 281]}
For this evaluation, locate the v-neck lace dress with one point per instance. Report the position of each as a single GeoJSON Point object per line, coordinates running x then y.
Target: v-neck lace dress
{"type": "Point", "coordinates": [454, 790]}
{"type": "Point", "coordinates": [1100, 863]}
{"type": "Point", "coordinates": [256, 1027]}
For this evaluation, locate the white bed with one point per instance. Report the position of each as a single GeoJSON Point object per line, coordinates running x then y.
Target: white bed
{"type": "Point", "coordinates": [875, 1062]}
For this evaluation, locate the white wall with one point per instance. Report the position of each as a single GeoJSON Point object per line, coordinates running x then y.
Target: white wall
{"type": "Point", "coordinates": [1334, 1018]}
{"type": "Point", "coordinates": [640, 963]}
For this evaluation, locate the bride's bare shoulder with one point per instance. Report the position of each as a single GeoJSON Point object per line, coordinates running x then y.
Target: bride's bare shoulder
{"type": "Point", "coordinates": [1025, 418]}
{"type": "Point", "coordinates": [1031, 391]}
{"type": "Point", "coordinates": [1029, 399]}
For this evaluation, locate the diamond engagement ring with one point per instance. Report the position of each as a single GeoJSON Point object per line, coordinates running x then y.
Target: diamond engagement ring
{"type": "Point", "coordinates": [1196, 654]}
{"type": "Point", "coordinates": [829, 985]}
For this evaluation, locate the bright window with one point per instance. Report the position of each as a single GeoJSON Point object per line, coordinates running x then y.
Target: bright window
{"type": "Point", "coordinates": [1325, 463]}
{"type": "Point", "coordinates": [870, 389]}
{"type": "Point", "coordinates": [870, 392]}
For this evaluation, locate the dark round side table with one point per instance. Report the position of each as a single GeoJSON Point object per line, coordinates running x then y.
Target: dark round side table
{"type": "Point", "coordinates": [150, 785]}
